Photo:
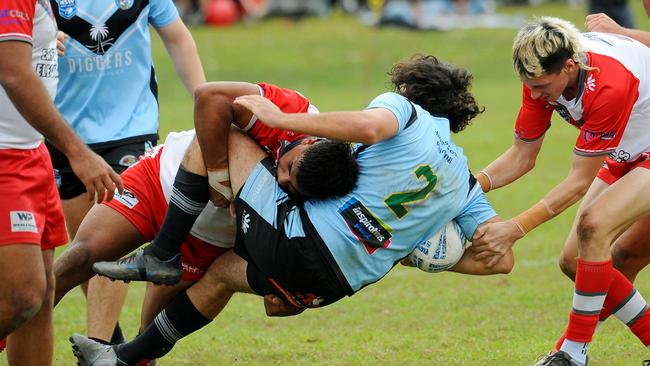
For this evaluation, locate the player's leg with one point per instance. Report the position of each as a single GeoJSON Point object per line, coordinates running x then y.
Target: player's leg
{"type": "Point", "coordinates": [32, 343]}
{"type": "Point", "coordinates": [104, 234]}
{"type": "Point", "coordinates": [631, 252]}
{"type": "Point", "coordinates": [601, 221]}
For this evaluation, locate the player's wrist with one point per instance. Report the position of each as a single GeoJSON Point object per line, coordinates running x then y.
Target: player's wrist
{"type": "Point", "coordinates": [484, 180]}
{"type": "Point", "coordinates": [219, 180]}
{"type": "Point", "coordinates": [533, 217]}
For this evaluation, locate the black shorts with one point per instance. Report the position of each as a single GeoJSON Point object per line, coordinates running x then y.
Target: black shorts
{"type": "Point", "coordinates": [299, 269]}
{"type": "Point", "coordinates": [118, 154]}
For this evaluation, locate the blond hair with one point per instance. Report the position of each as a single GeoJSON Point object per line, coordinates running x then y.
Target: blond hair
{"type": "Point", "coordinates": [543, 46]}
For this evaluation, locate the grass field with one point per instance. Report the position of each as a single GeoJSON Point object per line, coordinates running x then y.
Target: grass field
{"type": "Point", "coordinates": [409, 318]}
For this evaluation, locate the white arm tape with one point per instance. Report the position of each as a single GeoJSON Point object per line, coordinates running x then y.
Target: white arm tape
{"type": "Point", "coordinates": [215, 178]}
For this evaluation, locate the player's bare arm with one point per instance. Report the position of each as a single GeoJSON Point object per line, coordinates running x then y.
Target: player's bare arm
{"type": "Point", "coordinates": [602, 23]}
{"type": "Point", "coordinates": [514, 163]}
{"type": "Point", "coordinates": [368, 126]}
{"type": "Point", "coordinates": [182, 49]}
{"type": "Point", "coordinates": [30, 98]}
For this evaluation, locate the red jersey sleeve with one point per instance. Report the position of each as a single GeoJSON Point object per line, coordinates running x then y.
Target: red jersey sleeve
{"type": "Point", "coordinates": [17, 20]}
{"type": "Point", "coordinates": [534, 117]}
{"type": "Point", "coordinates": [609, 96]}
{"type": "Point", "coordinates": [289, 101]}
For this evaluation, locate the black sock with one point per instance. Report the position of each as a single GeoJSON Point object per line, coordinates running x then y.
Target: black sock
{"type": "Point", "coordinates": [189, 197]}
{"type": "Point", "coordinates": [179, 319]}
{"type": "Point", "coordinates": [118, 335]}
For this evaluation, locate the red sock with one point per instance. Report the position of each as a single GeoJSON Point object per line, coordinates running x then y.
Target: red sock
{"type": "Point", "coordinates": [628, 306]}
{"type": "Point", "coordinates": [593, 279]}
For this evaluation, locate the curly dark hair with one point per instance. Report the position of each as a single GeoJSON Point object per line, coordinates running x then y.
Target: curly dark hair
{"type": "Point", "coordinates": [438, 87]}
{"type": "Point", "coordinates": [327, 169]}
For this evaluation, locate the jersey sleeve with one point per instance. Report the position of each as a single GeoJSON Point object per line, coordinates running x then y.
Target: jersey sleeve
{"type": "Point", "coordinates": [289, 101]}
{"type": "Point", "coordinates": [399, 105]}
{"type": "Point", "coordinates": [534, 117]}
{"type": "Point", "coordinates": [606, 113]}
{"type": "Point", "coordinates": [162, 13]}
{"type": "Point", "coordinates": [17, 20]}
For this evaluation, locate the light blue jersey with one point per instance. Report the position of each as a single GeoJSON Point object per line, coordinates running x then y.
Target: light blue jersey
{"type": "Point", "coordinates": [410, 186]}
{"type": "Point", "coordinates": [107, 86]}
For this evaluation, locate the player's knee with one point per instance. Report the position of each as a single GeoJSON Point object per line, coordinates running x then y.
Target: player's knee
{"type": "Point", "coordinates": [567, 266]}
{"type": "Point", "coordinates": [24, 304]}
{"type": "Point", "coordinates": [589, 226]}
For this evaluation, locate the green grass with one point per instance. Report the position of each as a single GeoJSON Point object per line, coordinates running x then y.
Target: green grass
{"type": "Point", "coordinates": [409, 318]}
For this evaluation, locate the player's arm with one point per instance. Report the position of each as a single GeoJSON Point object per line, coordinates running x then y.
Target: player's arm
{"type": "Point", "coordinates": [500, 237]}
{"type": "Point", "coordinates": [602, 23]}
{"type": "Point", "coordinates": [214, 112]}
{"type": "Point", "coordinates": [518, 160]}
{"type": "Point", "coordinates": [368, 126]}
{"type": "Point", "coordinates": [28, 95]}
{"type": "Point", "coordinates": [183, 52]}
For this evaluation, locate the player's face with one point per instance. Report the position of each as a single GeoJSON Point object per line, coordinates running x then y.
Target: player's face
{"type": "Point", "coordinates": [547, 87]}
{"type": "Point", "coordinates": [288, 166]}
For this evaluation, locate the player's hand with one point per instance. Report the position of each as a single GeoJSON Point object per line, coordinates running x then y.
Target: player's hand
{"type": "Point", "coordinates": [275, 306]}
{"type": "Point", "coordinates": [219, 182]}
{"type": "Point", "coordinates": [60, 40]}
{"type": "Point", "coordinates": [263, 108]}
{"type": "Point", "coordinates": [493, 240]}
{"type": "Point", "coordinates": [602, 23]}
{"type": "Point", "coordinates": [96, 175]}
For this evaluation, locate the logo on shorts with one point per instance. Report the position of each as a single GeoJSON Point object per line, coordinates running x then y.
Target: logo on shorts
{"type": "Point", "coordinates": [245, 222]}
{"type": "Point", "coordinates": [127, 160]}
{"type": "Point", "coordinates": [128, 199]}
{"type": "Point", "coordinates": [124, 4]}
{"type": "Point", "coordinates": [370, 231]}
{"type": "Point", "coordinates": [67, 8]}
{"type": "Point", "coordinates": [57, 178]}
{"type": "Point", "coordinates": [23, 221]}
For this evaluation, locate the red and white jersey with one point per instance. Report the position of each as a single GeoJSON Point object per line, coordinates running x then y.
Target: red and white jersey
{"type": "Point", "coordinates": [215, 225]}
{"type": "Point", "coordinates": [29, 21]}
{"type": "Point", "coordinates": [612, 106]}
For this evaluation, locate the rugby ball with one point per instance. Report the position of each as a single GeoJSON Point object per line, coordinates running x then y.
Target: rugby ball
{"type": "Point", "coordinates": [442, 250]}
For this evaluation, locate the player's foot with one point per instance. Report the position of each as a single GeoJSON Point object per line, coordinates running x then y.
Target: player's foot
{"type": "Point", "coordinates": [91, 353]}
{"type": "Point", "coordinates": [142, 267]}
{"type": "Point", "coordinates": [558, 358]}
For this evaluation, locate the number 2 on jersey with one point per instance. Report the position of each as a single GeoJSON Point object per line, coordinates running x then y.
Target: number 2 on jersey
{"type": "Point", "coordinates": [397, 202]}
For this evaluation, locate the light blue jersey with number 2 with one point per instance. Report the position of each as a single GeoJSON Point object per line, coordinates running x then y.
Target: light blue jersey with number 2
{"type": "Point", "coordinates": [410, 186]}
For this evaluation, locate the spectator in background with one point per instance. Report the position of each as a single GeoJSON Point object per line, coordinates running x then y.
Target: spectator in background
{"type": "Point", "coordinates": [108, 93]}
{"type": "Point", "coordinates": [31, 221]}
{"type": "Point", "coordinates": [616, 9]}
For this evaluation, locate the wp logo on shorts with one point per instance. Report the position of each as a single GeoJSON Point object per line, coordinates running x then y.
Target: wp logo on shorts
{"type": "Point", "coordinates": [23, 221]}
{"type": "Point", "coordinates": [365, 226]}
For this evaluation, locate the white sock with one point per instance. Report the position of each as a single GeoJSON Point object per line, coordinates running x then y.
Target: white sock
{"type": "Point", "coordinates": [577, 351]}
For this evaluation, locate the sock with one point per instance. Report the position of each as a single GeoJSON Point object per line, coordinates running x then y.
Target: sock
{"type": "Point", "coordinates": [593, 280]}
{"type": "Point", "coordinates": [189, 197]}
{"type": "Point", "coordinates": [577, 350]}
{"type": "Point", "coordinates": [177, 320]}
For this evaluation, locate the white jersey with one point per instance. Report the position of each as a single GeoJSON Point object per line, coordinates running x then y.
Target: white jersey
{"type": "Point", "coordinates": [29, 21]}
{"type": "Point", "coordinates": [612, 106]}
{"type": "Point", "coordinates": [214, 225]}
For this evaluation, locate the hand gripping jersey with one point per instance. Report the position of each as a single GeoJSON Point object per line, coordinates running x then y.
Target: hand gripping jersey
{"type": "Point", "coordinates": [108, 89]}
{"type": "Point", "coordinates": [612, 107]}
{"type": "Point", "coordinates": [28, 21]}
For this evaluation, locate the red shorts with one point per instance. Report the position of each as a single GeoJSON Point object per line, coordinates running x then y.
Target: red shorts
{"type": "Point", "coordinates": [613, 170]}
{"type": "Point", "coordinates": [30, 208]}
{"type": "Point", "coordinates": [144, 205]}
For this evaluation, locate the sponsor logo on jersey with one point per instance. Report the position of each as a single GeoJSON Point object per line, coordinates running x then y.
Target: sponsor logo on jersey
{"type": "Point", "coordinates": [13, 16]}
{"type": "Point", "coordinates": [589, 135]}
{"type": "Point", "coordinates": [67, 8]}
{"type": "Point", "coordinates": [245, 222]}
{"type": "Point", "coordinates": [99, 33]}
{"type": "Point", "coordinates": [23, 221]}
{"type": "Point", "coordinates": [113, 61]}
{"type": "Point", "coordinates": [124, 4]}
{"type": "Point", "coordinates": [370, 231]}
{"type": "Point", "coordinates": [128, 199]}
